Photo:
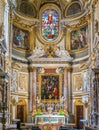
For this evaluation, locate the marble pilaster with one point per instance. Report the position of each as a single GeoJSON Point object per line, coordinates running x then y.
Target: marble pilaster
{"type": "Point", "coordinates": [6, 27]}
{"type": "Point", "coordinates": [30, 96]}
{"type": "Point", "coordinates": [66, 87]}
{"type": "Point", "coordinates": [34, 88]}
{"type": "Point", "coordinates": [69, 90]}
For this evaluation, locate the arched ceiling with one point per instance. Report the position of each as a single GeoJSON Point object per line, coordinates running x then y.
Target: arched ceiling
{"type": "Point", "coordinates": [28, 10]}
{"type": "Point", "coordinates": [73, 14]}
{"type": "Point", "coordinates": [32, 7]}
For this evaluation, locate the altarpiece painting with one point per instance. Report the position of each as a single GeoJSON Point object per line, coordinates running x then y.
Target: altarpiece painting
{"type": "Point", "coordinates": [50, 87]}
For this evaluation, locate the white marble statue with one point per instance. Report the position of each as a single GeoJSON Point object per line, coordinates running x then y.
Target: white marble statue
{"type": "Point", "coordinates": [62, 53]}
{"type": "Point", "coordinates": [38, 52]}
{"type": "Point", "coordinates": [62, 99]}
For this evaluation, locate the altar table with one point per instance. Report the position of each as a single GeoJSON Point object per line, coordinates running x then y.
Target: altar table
{"type": "Point", "coordinates": [49, 119]}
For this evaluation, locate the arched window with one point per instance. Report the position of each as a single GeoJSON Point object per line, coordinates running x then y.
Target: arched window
{"type": "Point", "coordinates": [50, 25]}
{"type": "Point", "coordinates": [27, 9]}
{"type": "Point", "coordinates": [73, 9]}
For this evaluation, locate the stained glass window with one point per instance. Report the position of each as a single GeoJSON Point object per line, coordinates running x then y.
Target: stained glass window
{"type": "Point", "coordinates": [50, 25]}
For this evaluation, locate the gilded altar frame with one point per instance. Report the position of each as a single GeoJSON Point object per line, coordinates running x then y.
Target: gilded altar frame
{"type": "Point", "coordinates": [50, 87]}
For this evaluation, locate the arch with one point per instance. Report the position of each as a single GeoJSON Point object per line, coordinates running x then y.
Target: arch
{"type": "Point", "coordinates": [27, 9]}
{"type": "Point", "coordinates": [73, 9]}
{"type": "Point", "coordinates": [78, 103]}
{"type": "Point", "coordinates": [22, 110]}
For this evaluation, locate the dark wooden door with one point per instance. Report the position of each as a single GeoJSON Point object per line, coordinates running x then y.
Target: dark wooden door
{"type": "Point", "coordinates": [79, 115]}
{"type": "Point", "coordinates": [20, 112]}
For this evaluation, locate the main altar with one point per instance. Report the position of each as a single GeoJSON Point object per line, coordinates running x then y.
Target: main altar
{"type": "Point", "coordinates": [50, 96]}
{"type": "Point", "coordinates": [50, 112]}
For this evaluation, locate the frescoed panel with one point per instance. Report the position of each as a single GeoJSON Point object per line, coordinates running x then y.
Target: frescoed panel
{"type": "Point", "coordinates": [79, 38]}
{"type": "Point", "coordinates": [77, 82]}
{"type": "Point", "coordinates": [23, 81]}
{"type": "Point", "coordinates": [20, 38]}
{"type": "Point", "coordinates": [50, 25]}
{"type": "Point", "coordinates": [50, 87]}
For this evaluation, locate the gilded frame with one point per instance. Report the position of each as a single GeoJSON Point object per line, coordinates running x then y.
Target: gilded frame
{"type": "Point", "coordinates": [54, 92]}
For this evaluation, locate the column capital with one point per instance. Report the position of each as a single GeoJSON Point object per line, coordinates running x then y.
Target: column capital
{"type": "Point", "coordinates": [32, 69]}
{"type": "Point", "coordinates": [68, 69]}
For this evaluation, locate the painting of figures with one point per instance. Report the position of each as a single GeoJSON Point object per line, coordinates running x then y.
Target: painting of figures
{"type": "Point", "coordinates": [50, 24]}
{"type": "Point", "coordinates": [20, 38]}
{"type": "Point", "coordinates": [49, 87]}
{"type": "Point", "coordinates": [79, 38]}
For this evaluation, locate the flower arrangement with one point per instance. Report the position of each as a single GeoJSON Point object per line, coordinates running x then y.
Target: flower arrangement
{"type": "Point", "coordinates": [38, 111]}
{"type": "Point", "coordinates": [61, 111]}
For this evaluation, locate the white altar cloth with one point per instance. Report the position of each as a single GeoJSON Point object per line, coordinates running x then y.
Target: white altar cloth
{"type": "Point", "coordinates": [49, 118]}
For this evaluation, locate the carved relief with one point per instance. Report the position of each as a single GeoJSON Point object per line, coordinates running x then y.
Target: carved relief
{"type": "Point", "coordinates": [23, 81]}
{"type": "Point", "coordinates": [14, 83]}
{"type": "Point", "coordinates": [86, 81]}
{"type": "Point", "coordinates": [50, 51]}
{"type": "Point", "coordinates": [77, 82]}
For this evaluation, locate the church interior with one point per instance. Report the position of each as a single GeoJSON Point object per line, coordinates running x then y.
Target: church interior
{"type": "Point", "coordinates": [49, 64]}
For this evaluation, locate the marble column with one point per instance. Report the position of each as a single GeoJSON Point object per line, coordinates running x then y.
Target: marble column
{"type": "Point", "coordinates": [30, 90]}
{"type": "Point", "coordinates": [66, 87]}
{"type": "Point", "coordinates": [14, 112]}
{"type": "Point", "coordinates": [69, 90]}
{"type": "Point", "coordinates": [6, 27]}
{"type": "Point", "coordinates": [91, 29]}
{"type": "Point", "coordinates": [34, 88]}
{"type": "Point", "coordinates": [32, 95]}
